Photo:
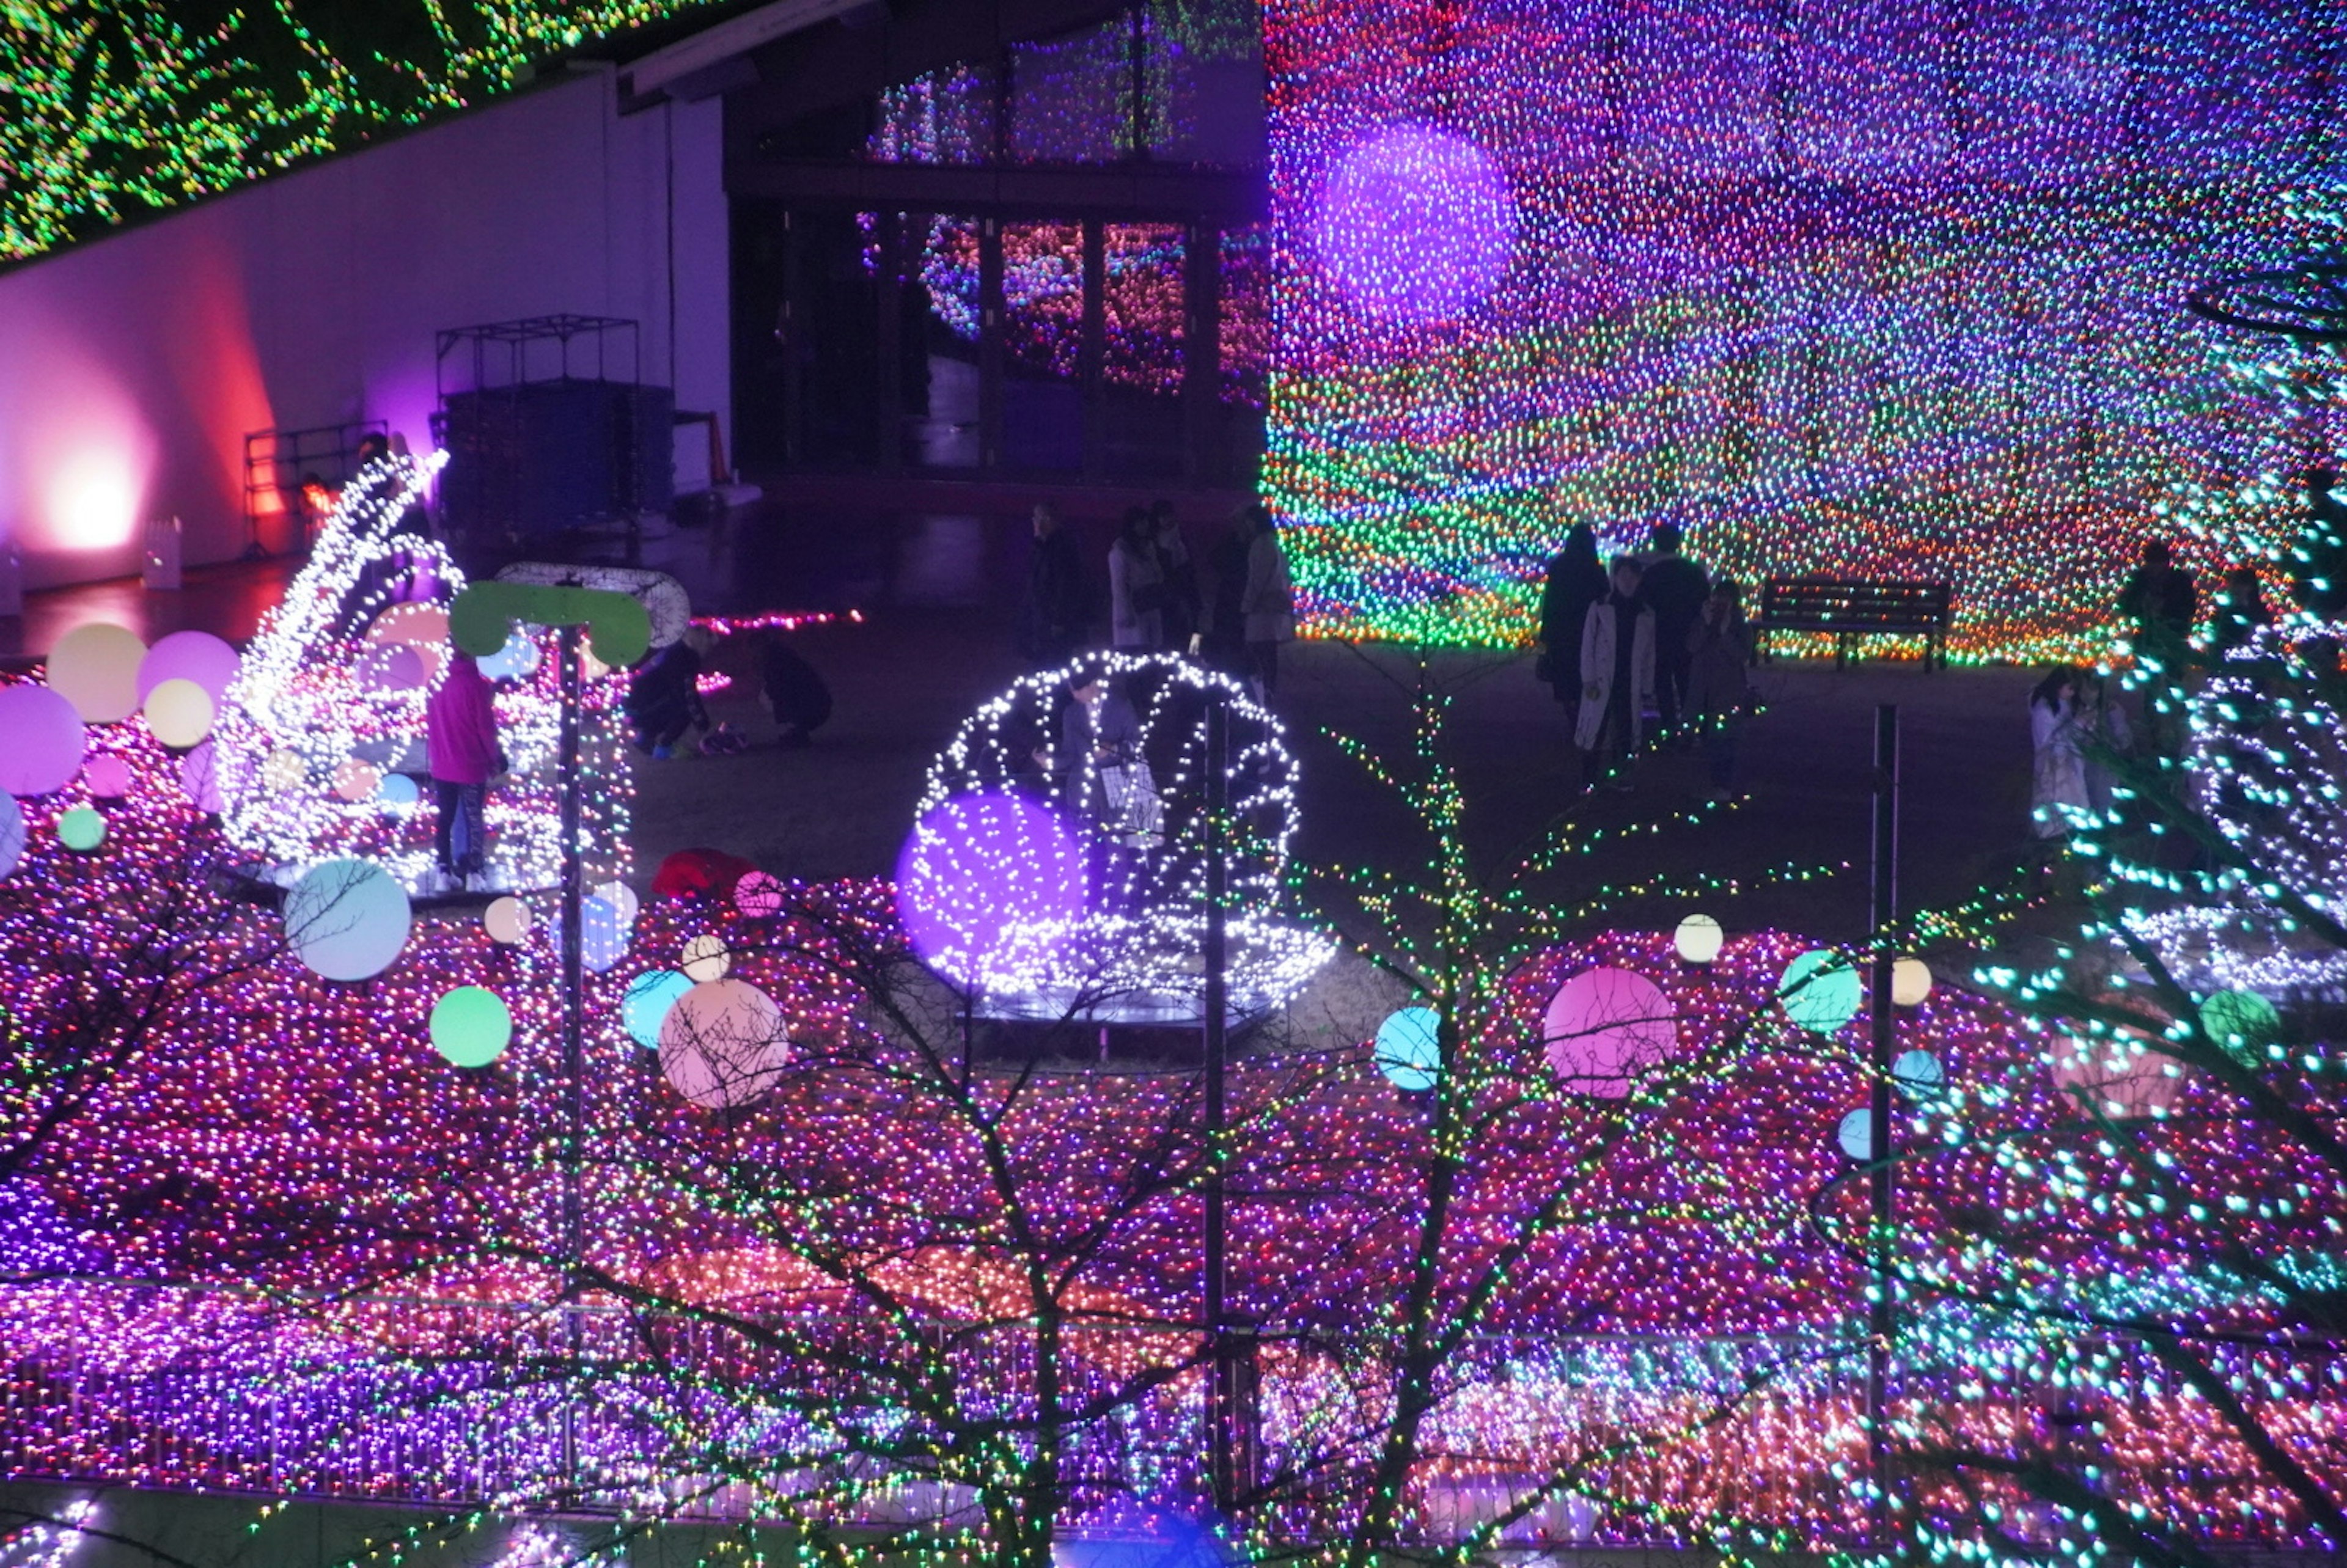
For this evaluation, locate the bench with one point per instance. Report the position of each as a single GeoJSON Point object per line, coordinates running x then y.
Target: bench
{"type": "Point", "coordinates": [1848, 610]}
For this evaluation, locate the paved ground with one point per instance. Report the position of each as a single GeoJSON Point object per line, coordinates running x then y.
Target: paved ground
{"type": "Point", "coordinates": [938, 592]}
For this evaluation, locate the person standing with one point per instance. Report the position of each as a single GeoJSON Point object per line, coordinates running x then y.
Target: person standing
{"type": "Point", "coordinates": [2241, 611]}
{"type": "Point", "coordinates": [1182, 608]}
{"type": "Point", "coordinates": [2162, 599]}
{"type": "Point", "coordinates": [1575, 581]}
{"type": "Point", "coordinates": [1221, 638]}
{"type": "Point", "coordinates": [2058, 775]}
{"type": "Point", "coordinates": [1052, 621]}
{"type": "Point", "coordinates": [1617, 674]}
{"type": "Point", "coordinates": [1136, 586]}
{"type": "Point", "coordinates": [460, 733]}
{"type": "Point", "coordinates": [1267, 603]}
{"type": "Point", "coordinates": [1675, 589]}
{"type": "Point", "coordinates": [1719, 658]}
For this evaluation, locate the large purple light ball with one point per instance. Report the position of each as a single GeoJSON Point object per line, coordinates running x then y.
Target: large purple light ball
{"type": "Point", "coordinates": [988, 885]}
{"type": "Point", "coordinates": [1416, 224]}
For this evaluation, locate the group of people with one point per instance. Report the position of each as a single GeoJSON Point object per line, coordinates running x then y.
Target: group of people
{"type": "Point", "coordinates": [663, 697]}
{"type": "Point", "coordinates": [1652, 633]}
{"type": "Point", "coordinates": [1234, 615]}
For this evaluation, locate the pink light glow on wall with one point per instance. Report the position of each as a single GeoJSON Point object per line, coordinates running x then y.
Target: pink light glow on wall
{"type": "Point", "coordinates": [76, 453]}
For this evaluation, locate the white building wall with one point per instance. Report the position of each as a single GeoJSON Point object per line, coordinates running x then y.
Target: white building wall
{"type": "Point", "coordinates": [132, 366]}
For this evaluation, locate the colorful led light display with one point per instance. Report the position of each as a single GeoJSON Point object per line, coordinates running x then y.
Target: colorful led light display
{"type": "Point", "coordinates": [1898, 296]}
{"type": "Point", "coordinates": [109, 113]}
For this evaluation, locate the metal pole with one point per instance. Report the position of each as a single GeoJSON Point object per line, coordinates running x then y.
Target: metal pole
{"type": "Point", "coordinates": [1883, 912]}
{"type": "Point", "coordinates": [573, 989]}
{"type": "Point", "coordinates": [1221, 1403]}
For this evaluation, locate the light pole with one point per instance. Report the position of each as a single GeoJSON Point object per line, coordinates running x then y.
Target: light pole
{"type": "Point", "coordinates": [1883, 910]}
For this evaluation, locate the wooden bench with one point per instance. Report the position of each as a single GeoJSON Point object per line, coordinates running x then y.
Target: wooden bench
{"type": "Point", "coordinates": [1849, 610]}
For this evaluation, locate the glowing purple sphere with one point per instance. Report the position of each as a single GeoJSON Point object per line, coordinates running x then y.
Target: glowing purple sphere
{"type": "Point", "coordinates": [1416, 224]}
{"type": "Point", "coordinates": [988, 885]}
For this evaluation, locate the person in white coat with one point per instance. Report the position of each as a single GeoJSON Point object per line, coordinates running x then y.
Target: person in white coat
{"type": "Point", "coordinates": [2058, 737]}
{"type": "Point", "coordinates": [1617, 674]}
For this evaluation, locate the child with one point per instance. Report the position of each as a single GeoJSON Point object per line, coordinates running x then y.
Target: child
{"type": "Point", "coordinates": [461, 736]}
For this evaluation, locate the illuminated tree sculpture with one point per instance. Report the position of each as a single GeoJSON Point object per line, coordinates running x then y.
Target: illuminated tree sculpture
{"type": "Point", "coordinates": [2261, 902]}
{"type": "Point", "coordinates": [320, 740]}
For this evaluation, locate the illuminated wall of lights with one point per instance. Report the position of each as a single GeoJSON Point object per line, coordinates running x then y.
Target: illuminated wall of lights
{"type": "Point", "coordinates": [109, 113]}
{"type": "Point", "coordinates": [1896, 296]}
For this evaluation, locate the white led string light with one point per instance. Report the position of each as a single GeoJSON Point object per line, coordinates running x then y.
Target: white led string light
{"type": "Point", "coordinates": [1141, 930]}
{"type": "Point", "coordinates": [303, 709]}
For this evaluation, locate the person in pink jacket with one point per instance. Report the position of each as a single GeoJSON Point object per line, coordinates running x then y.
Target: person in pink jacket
{"type": "Point", "coordinates": [461, 736]}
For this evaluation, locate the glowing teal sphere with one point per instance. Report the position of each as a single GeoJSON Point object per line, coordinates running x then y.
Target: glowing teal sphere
{"type": "Point", "coordinates": [471, 1026]}
{"type": "Point", "coordinates": [650, 995]}
{"type": "Point", "coordinates": [81, 828]}
{"type": "Point", "coordinates": [1408, 1048]}
{"type": "Point", "coordinates": [1820, 991]}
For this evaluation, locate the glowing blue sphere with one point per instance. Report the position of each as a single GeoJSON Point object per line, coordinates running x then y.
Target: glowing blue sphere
{"type": "Point", "coordinates": [1918, 1071]}
{"type": "Point", "coordinates": [1856, 1135]}
{"type": "Point", "coordinates": [346, 920]}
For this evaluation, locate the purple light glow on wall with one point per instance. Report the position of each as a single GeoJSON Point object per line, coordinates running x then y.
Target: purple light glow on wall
{"type": "Point", "coordinates": [1416, 224]}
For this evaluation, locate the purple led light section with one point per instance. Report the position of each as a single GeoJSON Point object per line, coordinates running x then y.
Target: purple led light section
{"type": "Point", "coordinates": [1416, 224]}
{"type": "Point", "coordinates": [988, 885]}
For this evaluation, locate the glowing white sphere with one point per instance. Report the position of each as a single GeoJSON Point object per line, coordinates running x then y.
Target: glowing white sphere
{"type": "Point", "coordinates": [1911, 982]}
{"type": "Point", "coordinates": [705, 958]}
{"type": "Point", "coordinates": [96, 668]}
{"type": "Point", "coordinates": [179, 712]}
{"type": "Point", "coordinates": [722, 1044]}
{"type": "Point", "coordinates": [620, 897]}
{"type": "Point", "coordinates": [1699, 939]}
{"type": "Point", "coordinates": [346, 920]}
{"type": "Point", "coordinates": [283, 770]}
{"type": "Point", "coordinates": [506, 921]}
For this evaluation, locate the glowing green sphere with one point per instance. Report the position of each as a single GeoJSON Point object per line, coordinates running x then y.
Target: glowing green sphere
{"type": "Point", "coordinates": [471, 1026]}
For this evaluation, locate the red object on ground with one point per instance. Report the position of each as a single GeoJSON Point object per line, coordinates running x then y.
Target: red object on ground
{"type": "Point", "coordinates": [699, 873]}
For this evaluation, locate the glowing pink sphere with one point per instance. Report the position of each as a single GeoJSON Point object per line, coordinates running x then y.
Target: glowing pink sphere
{"type": "Point", "coordinates": [41, 740]}
{"type": "Point", "coordinates": [197, 656]}
{"type": "Point", "coordinates": [1603, 1027]}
